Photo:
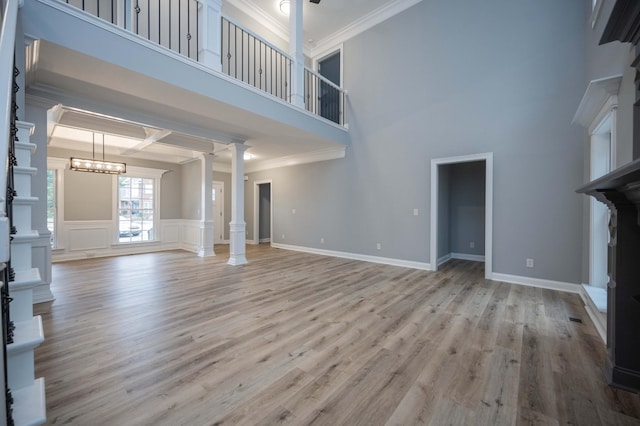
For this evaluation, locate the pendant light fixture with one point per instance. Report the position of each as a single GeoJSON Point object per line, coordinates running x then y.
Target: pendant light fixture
{"type": "Point", "coordinates": [97, 166]}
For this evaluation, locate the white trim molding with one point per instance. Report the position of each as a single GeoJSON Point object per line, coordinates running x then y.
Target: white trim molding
{"type": "Point", "coordinates": [537, 282]}
{"type": "Point", "coordinates": [595, 310]}
{"type": "Point", "coordinates": [487, 157]}
{"type": "Point", "coordinates": [360, 25]}
{"type": "Point", "coordinates": [461, 256]}
{"type": "Point", "coordinates": [599, 92]}
{"type": "Point", "coordinates": [293, 160]}
{"type": "Point", "coordinates": [356, 256]}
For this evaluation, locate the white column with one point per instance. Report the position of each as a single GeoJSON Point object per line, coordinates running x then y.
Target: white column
{"type": "Point", "coordinates": [297, 52]}
{"type": "Point", "coordinates": [206, 208]}
{"type": "Point", "coordinates": [210, 23]}
{"type": "Point", "coordinates": [237, 226]}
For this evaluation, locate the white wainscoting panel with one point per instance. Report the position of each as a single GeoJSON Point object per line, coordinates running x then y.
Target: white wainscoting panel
{"type": "Point", "coordinates": [88, 236]}
{"type": "Point", "coordinates": [85, 239]}
{"type": "Point", "coordinates": [190, 235]}
{"type": "Point", "coordinates": [170, 231]}
{"type": "Point", "coordinates": [41, 259]}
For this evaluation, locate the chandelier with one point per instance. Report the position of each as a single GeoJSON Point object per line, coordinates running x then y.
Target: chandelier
{"type": "Point", "coordinates": [95, 165]}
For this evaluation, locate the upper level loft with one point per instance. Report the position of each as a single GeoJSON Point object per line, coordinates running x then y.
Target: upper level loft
{"type": "Point", "coordinates": [183, 66]}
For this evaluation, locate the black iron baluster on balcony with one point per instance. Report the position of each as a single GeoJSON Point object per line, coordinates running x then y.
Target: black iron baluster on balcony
{"type": "Point", "coordinates": [188, 29]}
{"type": "Point", "coordinates": [252, 60]}
{"type": "Point", "coordinates": [148, 19]}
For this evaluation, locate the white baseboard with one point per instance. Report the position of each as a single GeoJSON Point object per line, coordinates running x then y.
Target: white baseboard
{"type": "Point", "coordinates": [265, 240]}
{"type": "Point", "coordinates": [42, 294]}
{"type": "Point", "coordinates": [537, 282]}
{"type": "Point", "coordinates": [121, 250]}
{"type": "Point", "coordinates": [464, 256]}
{"type": "Point", "coordinates": [598, 318]}
{"type": "Point", "coordinates": [356, 256]}
{"type": "Point", "coordinates": [444, 259]}
{"type": "Point", "coordinates": [461, 256]}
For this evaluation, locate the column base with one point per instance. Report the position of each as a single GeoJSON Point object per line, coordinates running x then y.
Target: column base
{"type": "Point", "coordinates": [206, 252]}
{"type": "Point", "coordinates": [237, 244]}
{"type": "Point", "coordinates": [206, 239]}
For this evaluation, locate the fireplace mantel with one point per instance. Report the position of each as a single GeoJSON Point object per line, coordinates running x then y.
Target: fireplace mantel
{"type": "Point", "coordinates": [620, 191]}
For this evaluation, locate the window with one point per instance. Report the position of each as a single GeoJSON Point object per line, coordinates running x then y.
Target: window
{"type": "Point", "coordinates": [55, 203]}
{"type": "Point", "coordinates": [51, 205]}
{"type": "Point", "coordinates": [136, 209]}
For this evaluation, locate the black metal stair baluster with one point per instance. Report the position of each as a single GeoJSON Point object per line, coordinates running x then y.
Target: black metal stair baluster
{"type": "Point", "coordinates": [7, 274]}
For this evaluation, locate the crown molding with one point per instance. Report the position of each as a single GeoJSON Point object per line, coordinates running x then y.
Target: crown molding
{"type": "Point", "coordinates": [381, 14]}
{"type": "Point", "coordinates": [290, 160]}
{"type": "Point", "coordinates": [294, 160]}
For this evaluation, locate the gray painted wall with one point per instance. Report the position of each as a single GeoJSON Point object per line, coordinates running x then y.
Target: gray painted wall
{"type": "Point", "coordinates": [445, 79]}
{"type": "Point", "coordinates": [83, 201]}
{"type": "Point", "coordinates": [88, 196]}
{"type": "Point", "coordinates": [191, 184]}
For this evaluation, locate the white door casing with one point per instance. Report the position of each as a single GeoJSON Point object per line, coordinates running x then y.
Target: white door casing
{"type": "Point", "coordinates": [488, 225]}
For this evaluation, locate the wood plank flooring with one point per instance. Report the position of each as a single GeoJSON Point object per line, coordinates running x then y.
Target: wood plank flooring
{"type": "Point", "coordinates": [300, 339]}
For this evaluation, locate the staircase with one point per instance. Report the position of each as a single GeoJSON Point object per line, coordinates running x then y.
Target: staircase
{"type": "Point", "coordinates": [28, 393]}
{"type": "Point", "coordinates": [22, 398]}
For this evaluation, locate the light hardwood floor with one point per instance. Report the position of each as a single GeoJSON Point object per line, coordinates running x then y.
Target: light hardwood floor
{"type": "Point", "coordinates": [292, 338]}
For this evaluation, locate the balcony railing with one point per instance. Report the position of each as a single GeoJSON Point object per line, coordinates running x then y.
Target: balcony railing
{"type": "Point", "coordinates": [323, 97]}
{"type": "Point", "coordinates": [170, 23]}
{"type": "Point", "coordinates": [245, 56]}
{"type": "Point", "coordinates": [251, 59]}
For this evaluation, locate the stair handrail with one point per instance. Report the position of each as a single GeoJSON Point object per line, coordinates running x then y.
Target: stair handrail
{"type": "Point", "coordinates": [7, 48]}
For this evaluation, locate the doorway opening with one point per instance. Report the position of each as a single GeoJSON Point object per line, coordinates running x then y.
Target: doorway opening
{"type": "Point", "coordinates": [462, 210]}
{"type": "Point", "coordinates": [262, 212]}
{"type": "Point", "coordinates": [330, 67]}
{"type": "Point", "coordinates": [217, 195]}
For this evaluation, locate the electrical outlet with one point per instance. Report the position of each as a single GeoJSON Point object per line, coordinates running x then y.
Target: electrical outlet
{"type": "Point", "coordinates": [283, 236]}
{"type": "Point", "coordinates": [415, 212]}
{"type": "Point", "coordinates": [321, 240]}
{"type": "Point", "coordinates": [529, 263]}
{"type": "Point", "coordinates": [472, 244]}
{"type": "Point", "coordinates": [293, 211]}
{"type": "Point", "coordinates": [379, 246]}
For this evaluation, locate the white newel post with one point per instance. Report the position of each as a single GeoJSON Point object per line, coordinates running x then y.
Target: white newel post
{"type": "Point", "coordinates": [296, 51]}
{"type": "Point", "coordinates": [206, 208]}
{"type": "Point", "coordinates": [237, 226]}
{"type": "Point", "coordinates": [210, 23]}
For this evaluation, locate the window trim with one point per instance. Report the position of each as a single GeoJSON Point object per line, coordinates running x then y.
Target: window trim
{"type": "Point", "coordinates": [595, 11]}
{"type": "Point", "coordinates": [58, 165]}
{"type": "Point", "coordinates": [330, 52]}
{"type": "Point", "coordinates": [145, 173]}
